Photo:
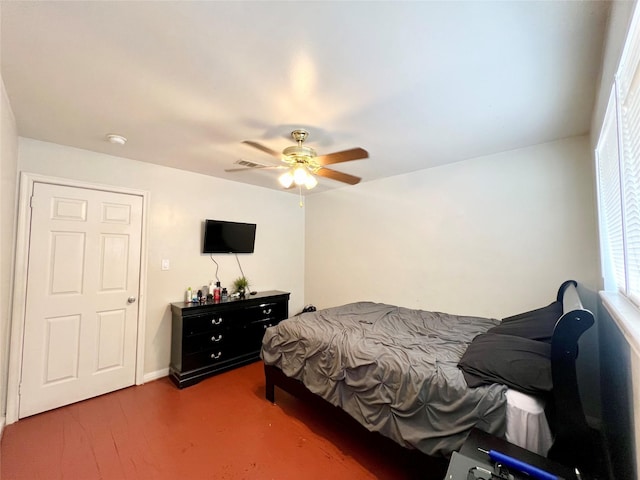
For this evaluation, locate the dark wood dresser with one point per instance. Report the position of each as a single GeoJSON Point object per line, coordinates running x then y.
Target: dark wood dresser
{"type": "Point", "coordinates": [211, 338]}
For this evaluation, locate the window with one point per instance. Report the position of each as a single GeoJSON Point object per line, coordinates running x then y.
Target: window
{"type": "Point", "coordinates": [618, 169]}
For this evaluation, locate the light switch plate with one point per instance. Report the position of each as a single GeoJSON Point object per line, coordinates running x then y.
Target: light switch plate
{"type": "Point", "coordinates": [165, 264]}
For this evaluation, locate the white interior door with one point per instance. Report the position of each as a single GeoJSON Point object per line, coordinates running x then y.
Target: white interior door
{"type": "Point", "coordinates": [81, 312]}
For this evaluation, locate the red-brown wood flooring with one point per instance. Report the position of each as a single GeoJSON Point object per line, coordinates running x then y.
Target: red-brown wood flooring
{"type": "Point", "coordinates": [222, 428]}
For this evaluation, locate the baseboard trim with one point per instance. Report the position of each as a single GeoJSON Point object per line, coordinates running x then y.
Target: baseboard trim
{"type": "Point", "coordinates": [149, 377]}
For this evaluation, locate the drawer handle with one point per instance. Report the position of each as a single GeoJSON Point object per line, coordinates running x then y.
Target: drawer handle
{"type": "Point", "coordinates": [216, 339]}
{"type": "Point", "coordinates": [267, 311]}
{"type": "Point", "coordinates": [216, 356]}
{"type": "Point", "coordinates": [214, 322]}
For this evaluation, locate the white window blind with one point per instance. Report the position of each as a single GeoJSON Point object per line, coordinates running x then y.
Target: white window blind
{"type": "Point", "coordinates": [609, 198]}
{"type": "Point", "coordinates": [629, 101]}
{"type": "Point", "coordinates": [618, 156]}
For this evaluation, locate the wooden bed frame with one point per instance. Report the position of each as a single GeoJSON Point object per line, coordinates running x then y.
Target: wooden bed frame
{"type": "Point", "coordinates": [575, 444]}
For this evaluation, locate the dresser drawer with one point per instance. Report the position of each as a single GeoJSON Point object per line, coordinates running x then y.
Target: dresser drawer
{"type": "Point", "coordinates": [206, 341]}
{"type": "Point", "coordinates": [206, 358]}
{"type": "Point", "coordinates": [252, 334]}
{"type": "Point", "coordinates": [209, 322]}
{"type": "Point", "coordinates": [265, 311]}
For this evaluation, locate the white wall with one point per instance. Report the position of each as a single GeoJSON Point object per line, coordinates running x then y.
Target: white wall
{"type": "Point", "coordinates": [489, 236]}
{"type": "Point", "coordinates": [179, 202]}
{"type": "Point", "coordinates": [8, 177]}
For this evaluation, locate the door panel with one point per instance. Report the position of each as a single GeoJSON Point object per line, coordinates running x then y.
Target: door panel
{"type": "Point", "coordinates": [61, 347]}
{"type": "Point", "coordinates": [67, 263]}
{"type": "Point", "coordinates": [84, 265]}
{"type": "Point", "coordinates": [113, 266]}
{"type": "Point", "coordinates": [110, 342]}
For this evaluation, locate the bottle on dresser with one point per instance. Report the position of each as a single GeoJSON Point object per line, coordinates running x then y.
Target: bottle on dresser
{"type": "Point", "coordinates": [217, 292]}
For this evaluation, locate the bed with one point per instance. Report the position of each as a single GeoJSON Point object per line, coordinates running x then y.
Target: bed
{"type": "Point", "coordinates": [425, 379]}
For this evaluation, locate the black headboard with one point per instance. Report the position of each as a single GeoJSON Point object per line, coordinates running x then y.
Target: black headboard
{"type": "Point", "coordinates": [576, 444]}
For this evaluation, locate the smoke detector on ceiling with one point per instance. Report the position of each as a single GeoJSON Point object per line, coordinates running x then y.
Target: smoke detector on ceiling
{"type": "Point", "coordinates": [116, 139]}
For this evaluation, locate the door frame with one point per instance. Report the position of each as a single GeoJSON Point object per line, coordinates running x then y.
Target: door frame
{"type": "Point", "coordinates": [20, 293]}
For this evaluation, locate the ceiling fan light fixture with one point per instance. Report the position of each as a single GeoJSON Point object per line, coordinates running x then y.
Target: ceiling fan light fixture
{"type": "Point", "coordinates": [303, 164]}
{"type": "Point", "coordinates": [300, 175]}
{"type": "Point", "coordinates": [286, 179]}
{"type": "Point", "coordinates": [299, 152]}
{"type": "Point", "coordinates": [311, 182]}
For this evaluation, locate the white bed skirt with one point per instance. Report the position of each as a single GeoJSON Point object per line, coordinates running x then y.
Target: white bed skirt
{"type": "Point", "coordinates": [527, 424]}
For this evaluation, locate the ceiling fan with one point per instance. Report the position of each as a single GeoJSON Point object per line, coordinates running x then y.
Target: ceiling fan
{"type": "Point", "coordinates": [302, 162]}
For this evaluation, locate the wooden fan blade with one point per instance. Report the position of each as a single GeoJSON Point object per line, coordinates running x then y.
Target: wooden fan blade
{"type": "Point", "coordinates": [344, 156]}
{"type": "Point", "coordinates": [339, 176]}
{"type": "Point", "coordinates": [259, 146]}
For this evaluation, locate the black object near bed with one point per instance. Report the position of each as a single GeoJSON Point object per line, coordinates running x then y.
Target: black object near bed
{"type": "Point", "coordinates": [425, 379]}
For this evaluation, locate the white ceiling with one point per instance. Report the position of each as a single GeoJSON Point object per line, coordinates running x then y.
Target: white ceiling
{"type": "Point", "coordinates": [417, 84]}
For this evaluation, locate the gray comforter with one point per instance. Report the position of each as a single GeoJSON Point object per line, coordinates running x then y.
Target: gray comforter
{"type": "Point", "coordinates": [391, 368]}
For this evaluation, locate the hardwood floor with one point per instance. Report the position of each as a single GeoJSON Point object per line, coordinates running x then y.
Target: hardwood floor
{"type": "Point", "coordinates": [222, 428]}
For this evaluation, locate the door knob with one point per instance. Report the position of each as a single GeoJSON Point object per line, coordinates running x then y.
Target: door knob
{"type": "Point", "coordinates": [131, 299]}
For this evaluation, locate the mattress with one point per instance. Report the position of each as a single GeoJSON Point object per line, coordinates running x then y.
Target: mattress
{"type": "Point", "coordinates": [527, 424]}
{"type": "Point", "coordinates": [393, 369]}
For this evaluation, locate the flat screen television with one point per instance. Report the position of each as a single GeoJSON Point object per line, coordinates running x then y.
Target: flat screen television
{"type": "Point", "coordinates": [228, 237]}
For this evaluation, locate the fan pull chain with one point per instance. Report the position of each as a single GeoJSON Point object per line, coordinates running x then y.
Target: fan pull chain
{"type": "Point", "coordinates": [300, 190]}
